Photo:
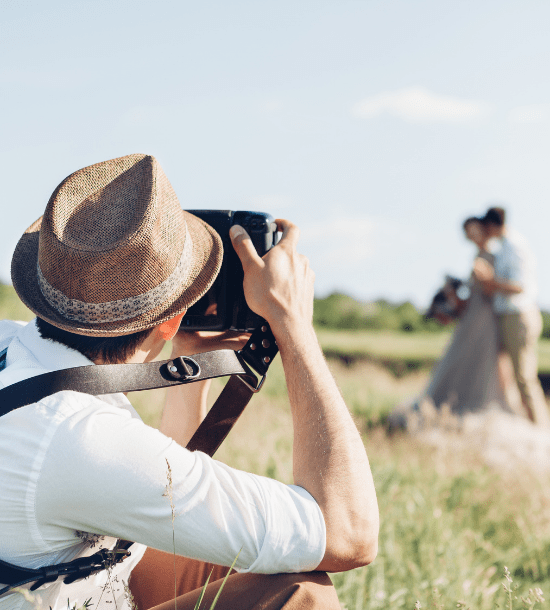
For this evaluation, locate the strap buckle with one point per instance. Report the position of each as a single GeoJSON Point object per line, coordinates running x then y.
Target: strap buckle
{"type": "Point", "coordinates": [260, 349]}
{"type": "Point", "coordinates": [258, 354]}
{"type": "Point", "coordinates": [183, 368]}
{"type": "Point", "coordinates": [258, 387]}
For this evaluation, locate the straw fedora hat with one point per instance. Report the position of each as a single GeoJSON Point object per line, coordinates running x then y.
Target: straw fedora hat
{"type": "Point", "coordinates": [114, 253]}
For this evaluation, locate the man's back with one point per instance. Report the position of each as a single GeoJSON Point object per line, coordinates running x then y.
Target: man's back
{"type": "Point", "coordinates": [32, 440]}
{"type": "Point", "coordinates": [75, 467]}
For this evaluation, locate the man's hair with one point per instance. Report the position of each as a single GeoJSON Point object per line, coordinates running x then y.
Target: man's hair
{"type": "Point", "coordinates": [495, 216]}
{"type": "Point", "coordinates": [110, 350]}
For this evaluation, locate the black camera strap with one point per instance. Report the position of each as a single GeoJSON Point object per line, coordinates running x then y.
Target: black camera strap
{"type": "Point", "coordinates": [243, 367]}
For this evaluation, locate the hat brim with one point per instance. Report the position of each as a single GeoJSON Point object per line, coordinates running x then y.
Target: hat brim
{"type": "Point", "coordinates": [207, 259]}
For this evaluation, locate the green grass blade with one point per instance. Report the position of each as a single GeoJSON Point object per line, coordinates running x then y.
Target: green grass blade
{"type": "Point", "coordinates": [223, 583]}
{"type": "Point", "coordinates": [199, 601]}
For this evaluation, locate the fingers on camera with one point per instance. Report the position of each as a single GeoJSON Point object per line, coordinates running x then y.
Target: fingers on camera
{"type": "Point", "coordinates": [291, 233]}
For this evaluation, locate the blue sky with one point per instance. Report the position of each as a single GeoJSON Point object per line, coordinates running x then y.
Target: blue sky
{"type": "Point", "coordinates": [376, 126]}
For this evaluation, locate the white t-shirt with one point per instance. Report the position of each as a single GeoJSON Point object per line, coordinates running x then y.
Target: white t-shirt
{"type": "Point", "coordinates": [78, 463]}
{"type": "Point", "coordinates": [515, 262]}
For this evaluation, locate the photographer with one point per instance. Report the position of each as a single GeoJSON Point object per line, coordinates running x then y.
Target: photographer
{"type": "Point", "coordinates": [109, 270]}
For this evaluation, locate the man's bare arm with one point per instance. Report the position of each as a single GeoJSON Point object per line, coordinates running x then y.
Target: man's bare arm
{"type": "Point", "coordinates": [184, 409]}
{"type": "Point", "coordinates": [330, 460]}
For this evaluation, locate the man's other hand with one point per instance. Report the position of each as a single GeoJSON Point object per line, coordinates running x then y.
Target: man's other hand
{"type": "Point", "coordinates": [187, 343]}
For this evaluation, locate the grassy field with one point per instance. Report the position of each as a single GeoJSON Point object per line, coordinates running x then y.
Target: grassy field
{"type": "Point", "coordinates": [450, 523]}
{"type": "Point", "coordinates": [399, 351]}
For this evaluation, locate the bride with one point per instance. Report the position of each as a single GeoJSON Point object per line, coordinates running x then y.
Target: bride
{"type": "Point", "coordinates": [466, 379]}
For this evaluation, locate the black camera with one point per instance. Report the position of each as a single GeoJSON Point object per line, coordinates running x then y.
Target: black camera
{"type": "Point", "coordinates": [224, 307]}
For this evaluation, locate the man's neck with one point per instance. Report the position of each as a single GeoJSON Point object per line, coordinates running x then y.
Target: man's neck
{"type": "Point", "coordinates": [146, 352]}
{"type": "Point", "coordinates": [500, 232]}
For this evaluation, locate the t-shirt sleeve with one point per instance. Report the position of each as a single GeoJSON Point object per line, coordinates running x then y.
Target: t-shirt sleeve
{"type": "Point", "coordinates": [107, 473]}
{"type": "Point", "coordinates": [514, 270]}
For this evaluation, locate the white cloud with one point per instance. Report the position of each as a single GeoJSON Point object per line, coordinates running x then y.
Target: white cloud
{"type": "Point", "coordinates": [339, 240]}
{"type": "Point", "coordinates": [533, 113]}
{"type": "Point", "coordinates": [419, 105]}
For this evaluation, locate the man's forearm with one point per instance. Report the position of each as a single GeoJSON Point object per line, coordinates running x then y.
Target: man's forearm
{"type": "Point", "coordinates": [186, 405]}
{"type": "Point", "coordinates": [330, 460]}
{"type": "Point", "coordinates": [184, 410]}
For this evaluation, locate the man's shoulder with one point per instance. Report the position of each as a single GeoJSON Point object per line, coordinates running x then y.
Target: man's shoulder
{"type": "Point", "coordinates": [14, 325]}
{"type": "Point", "coordinates": [8, 330]}
{"type": "Point", "coordinates": [56, 409]}
{"type": "Point", "coordinates": [515, 244]}
{"type": "Point", "coordinates": [70, 402]}
{"type": "Point", "coordinates": [514, 238]}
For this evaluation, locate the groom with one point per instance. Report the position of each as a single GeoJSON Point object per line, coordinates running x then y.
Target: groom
{"type": "Point", "coordinates": [512, 283]}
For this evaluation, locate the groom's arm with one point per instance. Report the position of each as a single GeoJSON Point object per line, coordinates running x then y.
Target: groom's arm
{"type": "Point", "coordinates": [491, 284]}
{"type": "Point", "coordinates": [495, 285]}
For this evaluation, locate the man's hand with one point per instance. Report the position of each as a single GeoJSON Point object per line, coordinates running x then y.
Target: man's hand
{"type": "Point", "coordinates": [279, 286]}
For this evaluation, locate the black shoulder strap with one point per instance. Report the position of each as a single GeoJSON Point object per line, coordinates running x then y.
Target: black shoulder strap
{"type": "Point", "coordinates": [256, 356]}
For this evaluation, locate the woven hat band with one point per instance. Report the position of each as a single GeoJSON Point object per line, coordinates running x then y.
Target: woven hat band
{"type": "Point", "coordinates": [122, 309]}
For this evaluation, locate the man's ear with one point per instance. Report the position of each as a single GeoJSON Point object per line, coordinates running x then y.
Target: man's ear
{"type": "Point", "coordinates": [168, 329]}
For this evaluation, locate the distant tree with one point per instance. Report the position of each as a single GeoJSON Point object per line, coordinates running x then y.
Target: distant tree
{"type": "Point", "coordinates": [11, 308]}
{"type": "Point", "coordinates": [340, 311]}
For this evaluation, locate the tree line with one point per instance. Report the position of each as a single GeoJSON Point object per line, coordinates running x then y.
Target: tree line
{"type": "Point", "coordinates": [341, 311]}
{"type": "Point", "coordinates": [337, 311]}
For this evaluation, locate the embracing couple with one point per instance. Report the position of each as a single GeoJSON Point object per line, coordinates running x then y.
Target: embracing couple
{"type": "Point", "coordinates": [502, 316]}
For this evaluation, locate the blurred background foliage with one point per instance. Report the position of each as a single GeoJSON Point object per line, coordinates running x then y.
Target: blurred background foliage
{"type": "Point", "coordinates": [342, 312]}
{"type": "Point", "coordinates": [11, 307]}
{"type": "Point", "coordinates": [337, 311]}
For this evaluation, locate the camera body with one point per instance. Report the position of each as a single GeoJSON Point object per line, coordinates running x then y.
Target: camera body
{"type": "Point", "coordinates": [224, 307]}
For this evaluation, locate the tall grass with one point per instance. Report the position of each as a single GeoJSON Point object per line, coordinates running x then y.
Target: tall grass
{"type": "Point", "coordinates": [449, 522]}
